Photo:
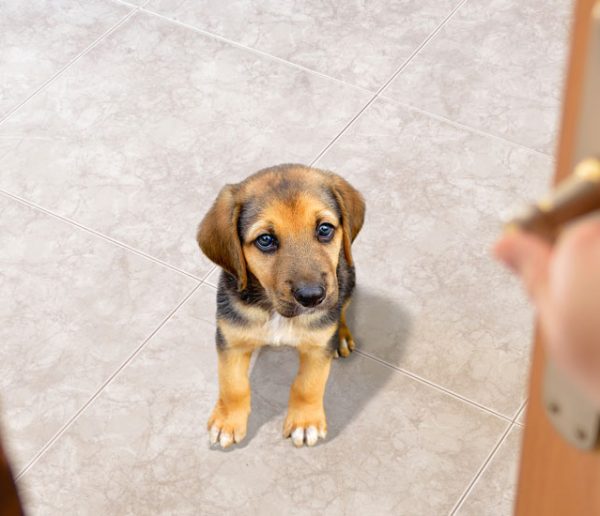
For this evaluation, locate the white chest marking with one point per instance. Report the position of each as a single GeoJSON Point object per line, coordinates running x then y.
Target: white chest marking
{"type": "Point", "coordinates": [281, 331]}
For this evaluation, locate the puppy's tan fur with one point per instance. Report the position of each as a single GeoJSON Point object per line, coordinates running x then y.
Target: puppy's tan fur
{"type": "Point", "coordinates": [257, 299]}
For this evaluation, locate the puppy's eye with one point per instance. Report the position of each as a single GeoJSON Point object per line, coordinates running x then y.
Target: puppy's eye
{"type": "Point", "coordinates": [266, 242]}
{"type": "Point", "coordinates": [325, 232]}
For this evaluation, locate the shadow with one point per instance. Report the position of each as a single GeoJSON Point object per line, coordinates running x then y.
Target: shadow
{"type": "Point", "coordinates": [380, 325]}
{"type": "Point", "coordinates": [380, 328]}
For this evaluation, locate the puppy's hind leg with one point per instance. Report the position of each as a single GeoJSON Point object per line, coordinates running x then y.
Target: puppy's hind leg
{"type": "Point", "coordinates": [346, 344]}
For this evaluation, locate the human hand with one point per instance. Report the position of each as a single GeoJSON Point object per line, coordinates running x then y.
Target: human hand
{"type": "Point", "coordinates": [563, 282]}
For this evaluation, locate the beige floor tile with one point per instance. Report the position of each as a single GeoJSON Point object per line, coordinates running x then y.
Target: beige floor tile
{"type": "Point", "coordinates": [39, 37]}
{"type": "Point", "coordinates": [430, 298]}
{"type": "Point", "coordinates": [494, 492]}
{"type": "Point", "coordinates": [360, 43]}
{"type": "Point", "coordinates": [73, 308]}
{"type": "Point", "coordinates": [395, 446]}
{"type": "Point", "coordinates": [138, 136]}
{"type": "Point", "coordinates": [497, 66]}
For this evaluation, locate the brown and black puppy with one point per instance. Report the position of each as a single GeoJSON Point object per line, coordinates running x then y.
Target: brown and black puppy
{"type": "Point", "coordinates": [282, 238]}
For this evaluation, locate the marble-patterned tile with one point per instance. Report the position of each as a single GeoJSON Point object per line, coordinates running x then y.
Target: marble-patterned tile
{"type": "Point", "coordinates": [136, 138]}
{"type": "Point", "coordinates": [73, 308]}
{"type": "Point", "coordinates": [142, 446]}
{"type": "Point", "coordinates": [357, 42]}
{"type": "Point", "coordinates": [430, 298]}
{"type": "Point", "coordinates": [39, 37]}
{"type": "Point", "coordinates": [494, 493]}
{"type": "Point", "coordinates": [498, 66]}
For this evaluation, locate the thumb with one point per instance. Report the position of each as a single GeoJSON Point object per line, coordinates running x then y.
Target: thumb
{"type": "Point", "coordinates": [529, 257]}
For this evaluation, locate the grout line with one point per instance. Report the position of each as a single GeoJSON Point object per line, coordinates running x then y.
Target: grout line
{"type": "Point", "coordinates": [436, 386]}
{"type": "Point", "coordinates": [518, 414]}
{"type": "Point", "coordinates": [523, 405]}
{"type": "Point", "coordinates": [489, 458]}
{"type": "Point", "coordinates": [103, 386]}
{"type": "Point", "coordinates": [214, 268]}
{"type": "Point", "coordinates": [465, 127]}
{"type": "Point", "coordinates": [205, 280]}
{"type": "Point", "coordinates": [378, 94]}
{"type": "Point", "coordinates": [103, 236]}
{"type": "Point", "coordinates": [131, 4]}
{"type": "Point", "coordinates": [127, 4]}
{"type": "Point", "coordinates": [68, 65]}
{"type": "Point", "coordinates": [386, 84]}
{"type": "Point", "coordinates": [253, 50]}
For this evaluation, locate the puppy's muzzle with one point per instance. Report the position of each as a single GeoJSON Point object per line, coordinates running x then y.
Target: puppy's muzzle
{"type": "Point", "coordinates": [309, 295]}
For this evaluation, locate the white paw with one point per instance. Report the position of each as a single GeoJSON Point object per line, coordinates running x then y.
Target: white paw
{"type": "Point", "coordinates": [310, 436]}
{"type": "Point", "coordinates": [217, 436]}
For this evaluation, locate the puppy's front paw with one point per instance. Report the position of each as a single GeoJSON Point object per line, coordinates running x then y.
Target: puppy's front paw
{"type": "Point", "coordinates": [346, 344]}
{"type": "Point", "coordinates": [305, 425]}
{"type": "Point", "coordinates": [227, 426]}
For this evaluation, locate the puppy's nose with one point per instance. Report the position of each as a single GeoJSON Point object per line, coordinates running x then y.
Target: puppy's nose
{"type": "Point", "coordinates": [309, 295]}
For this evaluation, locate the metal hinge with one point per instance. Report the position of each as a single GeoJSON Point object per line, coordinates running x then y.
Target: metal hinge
{"type": "Point", "coordinates": [571, 413]}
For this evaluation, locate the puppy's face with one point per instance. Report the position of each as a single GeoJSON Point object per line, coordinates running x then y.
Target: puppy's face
{"type": "Point", "coordinates": [288, 226]}
{"type": "Point", "coordinates": [292, 246]}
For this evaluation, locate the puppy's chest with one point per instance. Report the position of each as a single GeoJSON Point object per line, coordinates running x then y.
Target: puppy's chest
{"type": "Point", "coordinates": [281, 331]}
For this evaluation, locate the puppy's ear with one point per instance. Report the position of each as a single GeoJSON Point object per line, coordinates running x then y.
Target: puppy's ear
{"type": "Point", "coordinates": [218, 235]}
{"type": "Point", "coordinates": [352, 206]}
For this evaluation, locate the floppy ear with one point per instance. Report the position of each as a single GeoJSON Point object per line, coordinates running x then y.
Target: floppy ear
{"type": "Point", "coordinates": [352, 206]}
{"type": "Point", "coordinates": [218, 235]}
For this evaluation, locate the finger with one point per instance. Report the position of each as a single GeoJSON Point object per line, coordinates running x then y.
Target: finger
{"type": "Point", "coordinates": [529, 257]}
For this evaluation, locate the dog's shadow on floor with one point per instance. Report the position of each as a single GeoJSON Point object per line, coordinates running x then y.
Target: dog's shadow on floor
{"type": "Point", "coordinates": [380, 328]}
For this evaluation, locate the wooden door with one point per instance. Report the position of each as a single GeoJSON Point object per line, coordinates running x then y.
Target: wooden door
{"type": "Point", "coordinates": [556, 478]}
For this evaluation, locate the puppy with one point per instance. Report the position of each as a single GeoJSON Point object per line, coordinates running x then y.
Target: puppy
{"type": "Point", "coordinates": [283, 240]}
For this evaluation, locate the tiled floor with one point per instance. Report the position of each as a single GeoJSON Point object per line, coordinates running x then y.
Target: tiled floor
{"type": "Point", "coordinates": [119, 122]}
